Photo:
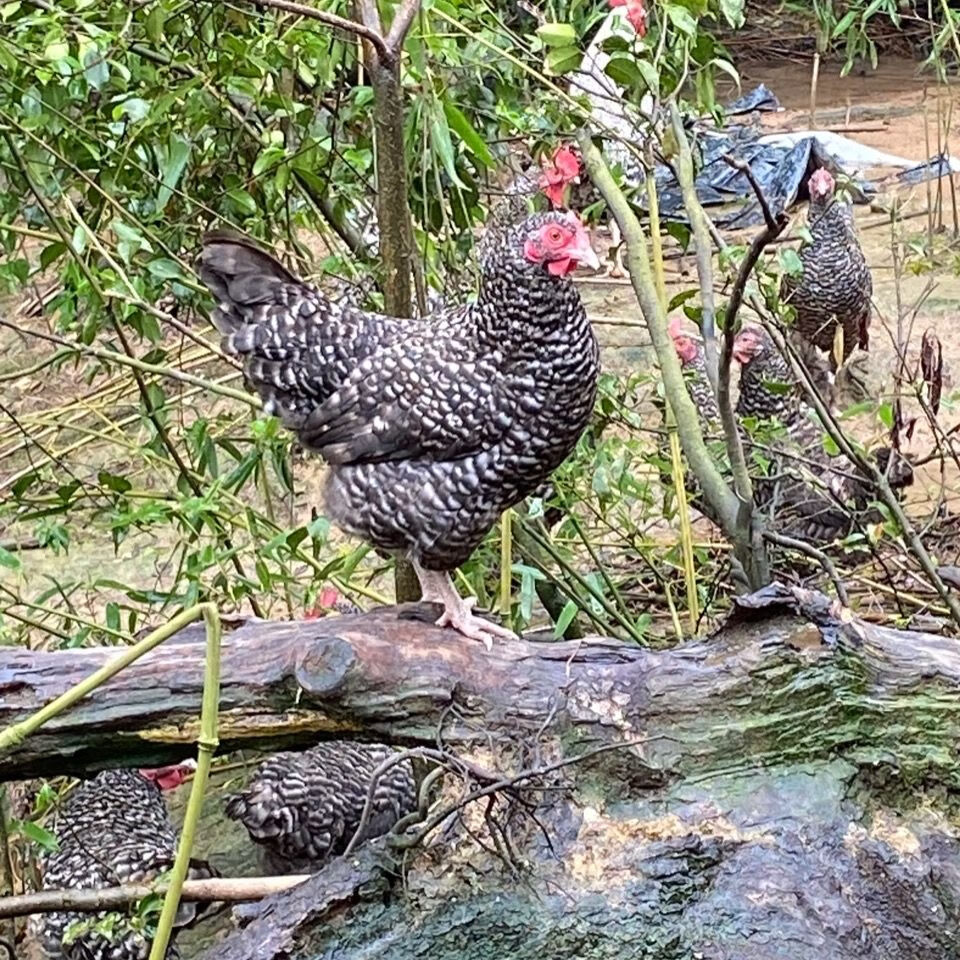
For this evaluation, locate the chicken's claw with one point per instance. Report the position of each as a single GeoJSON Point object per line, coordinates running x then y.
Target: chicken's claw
{"type": "Point", "coordinates": [459, 615]}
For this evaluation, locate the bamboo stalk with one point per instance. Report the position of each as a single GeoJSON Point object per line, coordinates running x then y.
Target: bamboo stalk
{"type": "Point", "coordinates": [206, 747]}
{"type": "Point", "coordinates": [506, 565]}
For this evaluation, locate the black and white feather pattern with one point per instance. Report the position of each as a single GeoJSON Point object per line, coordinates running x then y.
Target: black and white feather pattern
{"type": "Point", "coordinates": [805, 492]}
{"type": "Point", "coordinates": [111, 830]}
{"type": "Point", "coordinates": [836, 284]}
{"type": "Point", "coordinates": [432, 426]}
{"type": "Point", "coordinates": [304, 808]}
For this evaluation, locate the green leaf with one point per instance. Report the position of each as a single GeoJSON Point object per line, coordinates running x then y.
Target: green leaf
{"type": "Point", "coordinates": [472, 140]}
{"type": "Point", "coordinates": [681, 19]}
{"type": "Point", "coordinates": [112, 482]}
{"type": "Point", "coordinates": [732, 11]}
{"type": "Point", "coordinates": [565, 619]}
{"type": "Point", "coordinates": [440, 135]}
{"type": "Point", "coordinates": [56, 51]}
{"type": "Point", "coordinates": [96, 70]}
{"type": "Point", "coordinates": [790, 262]}
{"type": "Point", "coordinates": [557, 34]}
{"type": "Point", "coordinates": [625, 70]}
{"type": "Point", "coordinates": [165, 269]}
{"type": "Point", "coordinates": [269, 157]}
{"type": "Point", "coordinates": [155, 23]}
{"type": "Point", "coordinates": [725, 66]}
{"type": "Point", "coordinates": [51, 253]}
{"type": "Point", "coordinates": [562, 60]}
{"type": "Point", "coordinates": [845, 23]}
{"type": "Point", "coordinates": [178, 151]}
{"type": "Point", "coordinates": [134, 109]}
{"type": "Point", "coordinates": [9, 560]}
{"type": "Point", "coordinates": [682, 297]}
{"type": "Point", "coordinates": [36, 834]}
{"type": "Point", "coordinates": [245, 203]}
{"type": "Point", "coordinates": [650, 76]}
{"type": "Point", "coordinates": [830, 446]}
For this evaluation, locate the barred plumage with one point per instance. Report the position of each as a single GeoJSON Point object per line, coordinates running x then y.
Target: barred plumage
{"type": "Point", "coordinates": [433, 427]}
{"type": "Point", "coordinates": [111, 830]}
{"type": "Point", "coordinates": [807, 493]}
{"type": "Point", "coordinates": [304, 808]}
{"type": "Point", "coordinates": [836, 285]}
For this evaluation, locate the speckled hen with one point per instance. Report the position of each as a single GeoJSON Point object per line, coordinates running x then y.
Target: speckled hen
{"type": "Point", "coordinates": [304, 808]}
{"type": "Point", "coordinates": [432, 427]}
{"type": "Point", "coordinates": [836, 286]}
{"type": "Point", "coordinates": [809, 494]}
{"type": "Point", "coordinates": [112, 829]}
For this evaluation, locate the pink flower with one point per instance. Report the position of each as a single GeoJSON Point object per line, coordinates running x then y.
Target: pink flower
{"type": "Point", "coordinates": [562, 169]}
{"type": "Point", "coordinates": [636, 14]}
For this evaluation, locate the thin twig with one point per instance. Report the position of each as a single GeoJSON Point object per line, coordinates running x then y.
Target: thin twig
{"type": "Point", "coordinates": [211, 890]}
{"type": "Point", "coordinates": [801, 546]}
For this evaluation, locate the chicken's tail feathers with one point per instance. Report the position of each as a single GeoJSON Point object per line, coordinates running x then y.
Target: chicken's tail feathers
{"type": "Point", "coordinates": [244, 279]}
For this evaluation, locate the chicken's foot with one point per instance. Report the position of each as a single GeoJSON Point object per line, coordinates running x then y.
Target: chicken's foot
{"type": "Point", "coordinates": [437, 587]}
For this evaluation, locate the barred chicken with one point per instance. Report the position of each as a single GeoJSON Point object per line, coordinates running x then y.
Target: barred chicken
{"type": "Point", "coordinates": [431, 427]}
{"type": "Point", "coordinates": [111, 830]}
{"type": "Point", "coordinates": [304, 808]}
{"type": "Point", "coordinates": [810, 494]}
{"type": "Point", "coordinates": [689, 348]}
{"type": "Point", "coordinates": [835, 287]}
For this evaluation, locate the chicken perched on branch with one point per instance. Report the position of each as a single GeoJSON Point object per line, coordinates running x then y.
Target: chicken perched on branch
{"type": "Point", "coordinates": [304, 808]}
{"type": "Point", "coordinates": [432, 427]}
{"type": "Point", "coordinates": [810, 494]}
{"type": "Point", "coordinates": [111, 830]}
{"type": "Point", "coordinates": [832, 295]}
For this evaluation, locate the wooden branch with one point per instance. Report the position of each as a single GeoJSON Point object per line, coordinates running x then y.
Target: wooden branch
{"type": "Point", "coordinates": [211, 890]}
{"type": "Point", "coordinates": [331, 19]}
{"type": "Point", "coordinates": [401, 25]}
{"type": "Point", "coordinates": [392, 675]}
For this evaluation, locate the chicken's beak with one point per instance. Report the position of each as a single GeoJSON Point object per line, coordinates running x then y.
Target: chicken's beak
{"type": "Point", "coordinates": [582, 252]}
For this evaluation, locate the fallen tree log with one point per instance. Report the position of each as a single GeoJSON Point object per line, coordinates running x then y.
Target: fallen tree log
{"type": "Point", "coordinates": [786, 788]}
{"type": "Point", "coordinates": [787, 676]}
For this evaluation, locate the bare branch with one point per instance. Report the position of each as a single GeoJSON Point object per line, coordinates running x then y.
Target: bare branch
{"type": "Point", "coordinates": [213, 889]}
{"type": "Point", "coordinates": [331, 19]}
{"type": "Point", "coordinates": [704, 248]}
{"type": "Point", "coordinates": [744, 168]}
{"type": "Point", "coordinates": [401, 25]}
{"type": "Point", "coordinates": [791, 543]}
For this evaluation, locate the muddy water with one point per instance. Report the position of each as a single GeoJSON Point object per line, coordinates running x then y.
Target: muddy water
{"type": "Point", "coordinates": [895, 110]}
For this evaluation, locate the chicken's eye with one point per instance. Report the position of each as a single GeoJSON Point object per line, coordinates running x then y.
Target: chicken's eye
{"type": "Point", "coordinates": [554, 235]}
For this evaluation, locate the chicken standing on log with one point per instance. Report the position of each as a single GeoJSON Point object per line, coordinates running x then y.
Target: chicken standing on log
{"type": "Point", "coordinates": [809, 494]}
{"type": "Point", "coordinates": [432, 427]}
{"type": "Point", "coordinates": [304, 808]}
{"type": "Point", "coordinates": [113, 829]}
{"type": "Point", "coordinates": [833, 292]}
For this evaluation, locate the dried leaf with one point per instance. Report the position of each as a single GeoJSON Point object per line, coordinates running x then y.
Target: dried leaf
{"type": "Point", "coordinates": [931, 367]}
{"type": "Point", "coordinates": [838, 346]}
